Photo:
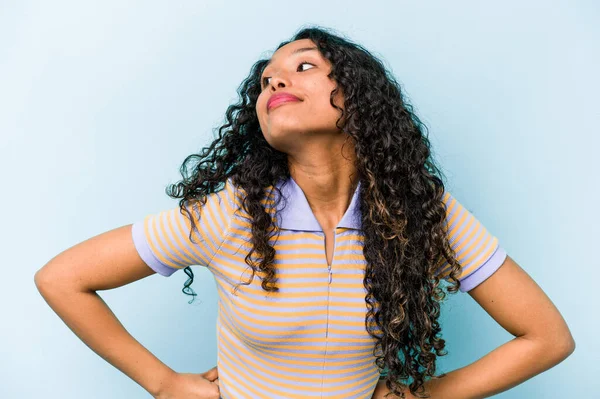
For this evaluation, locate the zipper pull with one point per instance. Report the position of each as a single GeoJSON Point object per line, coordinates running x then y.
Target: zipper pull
{"type": "Point", "coordinates": [329, 276]}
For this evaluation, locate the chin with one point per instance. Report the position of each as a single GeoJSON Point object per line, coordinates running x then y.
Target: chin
{"type": "Point", "coordinates": [282, 140]}
{"type": "Point", "coordinates": [286, 129]}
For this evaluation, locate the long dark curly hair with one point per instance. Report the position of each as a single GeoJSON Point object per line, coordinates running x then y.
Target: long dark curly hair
{"type": "Point", "coordinates": [403, 214]}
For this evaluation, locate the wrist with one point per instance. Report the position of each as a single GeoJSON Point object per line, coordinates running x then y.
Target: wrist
{"type": "Point", "coordinates": [162, 382]}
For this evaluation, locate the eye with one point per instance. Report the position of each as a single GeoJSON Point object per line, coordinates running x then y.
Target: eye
{"type": "Point", "coordinates": [305, 62]}
{"type": "Point", "coordinates": [265, 82]}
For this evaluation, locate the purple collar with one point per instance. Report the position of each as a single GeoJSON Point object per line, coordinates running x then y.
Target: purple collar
{"type": "Point", "coordinates": [296, 214]}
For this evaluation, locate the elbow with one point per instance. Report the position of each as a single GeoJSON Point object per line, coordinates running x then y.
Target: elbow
{"type": "Point", "coordinates": [43, 282]}
{"type": "Point", "coordinates": [561, 348]}
{"type": "Point", "coordinates": [554, 350]}
{"type": "Point", "coordinates": [564, 343]}
{"type": "Point", "coordinates": [38, 279]}
{"type": "Point", "coordinates": [568, 346]}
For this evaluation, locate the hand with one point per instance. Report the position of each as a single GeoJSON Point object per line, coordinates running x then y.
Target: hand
{"type": "Point", "coordinates": [212, 375]}
{"type": "Point", "coordinates": [192, 386]}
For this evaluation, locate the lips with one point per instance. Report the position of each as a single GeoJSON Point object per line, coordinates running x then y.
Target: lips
{"type": "Point", "coordinates": [280, 98]}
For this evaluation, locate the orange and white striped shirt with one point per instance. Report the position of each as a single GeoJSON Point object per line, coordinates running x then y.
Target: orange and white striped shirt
{"type": "Point", "coordinates": [309, 339]}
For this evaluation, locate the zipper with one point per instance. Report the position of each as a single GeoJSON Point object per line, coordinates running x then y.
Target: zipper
{"type": "Point", "coordinates": [332, 256]}
{"type": "Point", "coordinates": [330, 277]}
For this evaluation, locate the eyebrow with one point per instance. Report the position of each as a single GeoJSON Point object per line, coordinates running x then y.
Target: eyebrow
{"type": "Point", "coordinates": [298, 50]}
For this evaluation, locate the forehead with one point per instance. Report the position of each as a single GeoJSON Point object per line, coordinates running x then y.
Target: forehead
{"type": "Point", "coordinates": [295, 47]}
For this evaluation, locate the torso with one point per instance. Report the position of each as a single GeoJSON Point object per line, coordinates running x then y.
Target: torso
{"type": "Point", "coordinates": [307, 334]}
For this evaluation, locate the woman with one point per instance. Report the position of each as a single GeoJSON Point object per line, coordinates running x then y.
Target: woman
{"type": "Point", "coordinates": [326, 225]}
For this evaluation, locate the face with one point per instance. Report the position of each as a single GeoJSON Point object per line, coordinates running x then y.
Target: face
{"type": "Point", "coordinates": [297, 68]}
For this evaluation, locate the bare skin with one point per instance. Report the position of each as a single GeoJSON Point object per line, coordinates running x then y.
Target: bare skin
{"type": "Point", "coordinates": [305, 130]}
{"type": "Point", "coordinates": [322, 162]}
{"type": "Point", "coordinates": [323, 167]}
{"type": "Point", "coordinates": [69, 283]}
{"type": "Point", "coordinates": [321, 157]}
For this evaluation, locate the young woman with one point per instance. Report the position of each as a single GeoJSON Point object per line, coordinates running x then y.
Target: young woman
{"type": "Point", "coordinates": [325, 223]}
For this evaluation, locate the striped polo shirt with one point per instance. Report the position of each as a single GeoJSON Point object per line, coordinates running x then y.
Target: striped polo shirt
{"type": "Point", "coordinates": [309, 339]}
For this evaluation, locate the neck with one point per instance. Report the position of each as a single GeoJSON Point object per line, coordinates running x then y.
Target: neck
{"type": "Point", "coordinates": [328, 179]}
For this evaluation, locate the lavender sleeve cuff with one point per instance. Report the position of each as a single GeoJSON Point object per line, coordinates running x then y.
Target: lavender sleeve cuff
{"type": "Point", "coordinates": [485, 271]}
{"type": "Point", "coordinates": [145, 252]}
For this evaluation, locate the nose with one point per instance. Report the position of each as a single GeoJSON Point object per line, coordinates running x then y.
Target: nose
{"type": "Point", "coordinates": [278, 81]}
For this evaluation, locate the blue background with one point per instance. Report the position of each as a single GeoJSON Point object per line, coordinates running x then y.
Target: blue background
{"type": "Point", "coordinates": [100, 102]}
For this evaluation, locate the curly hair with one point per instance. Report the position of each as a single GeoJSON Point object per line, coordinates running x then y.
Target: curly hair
{"type": "Point", "coordinates": [403, 214]}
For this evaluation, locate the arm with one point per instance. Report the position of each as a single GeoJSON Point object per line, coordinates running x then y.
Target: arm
{"type": "Point", "coordinates": [68, 283]}
{"type": "Point", "coordinates": [542, 339]}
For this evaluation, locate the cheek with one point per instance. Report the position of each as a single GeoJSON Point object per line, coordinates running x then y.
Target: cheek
{"type": "Point", "coordinates": [325, 103]}
{"type": "Point", "coordinates": [260, 109]}
{"type": "Point", "coordinates": [338, 98]}
{"type": "Point", "coordinates": [325, 88]}
{"type": "Point", "coordinates": [259, 104]}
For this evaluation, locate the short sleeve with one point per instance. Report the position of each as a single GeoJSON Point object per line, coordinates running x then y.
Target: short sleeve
{"type": "Point", "coordinates": [162, 239]}
{"type": "Point", "coordinates": [477, 250]}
